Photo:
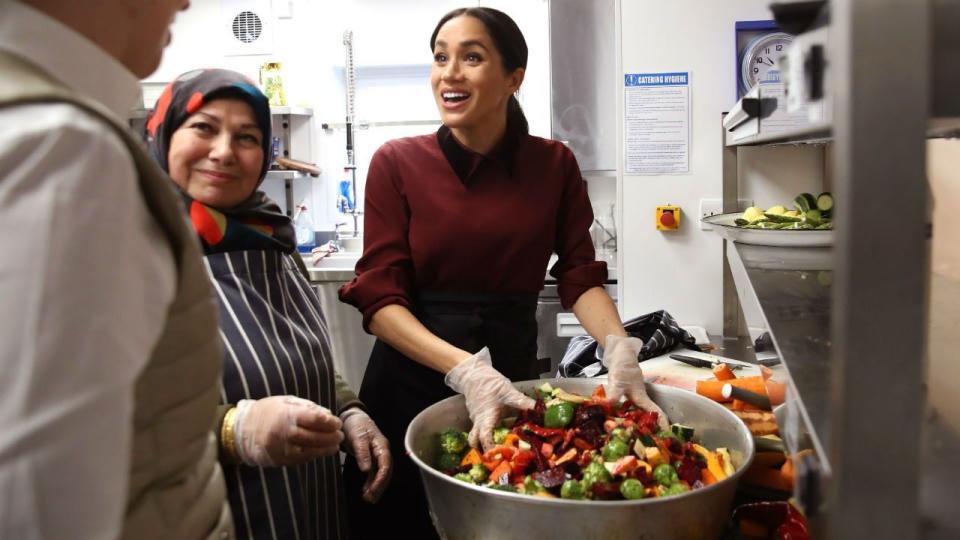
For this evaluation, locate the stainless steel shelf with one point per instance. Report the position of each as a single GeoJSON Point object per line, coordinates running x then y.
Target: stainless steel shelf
{"type": "Point", "coordinates": [818, 133]}
{"type": "Point", "coordinates": [789, 289]}
{"type": "Point", "coordinates": [937, 128]}
{"type": "Point", "coordinates": [285, 175]}
{"type": "Point", "coordinates": [292, 111]}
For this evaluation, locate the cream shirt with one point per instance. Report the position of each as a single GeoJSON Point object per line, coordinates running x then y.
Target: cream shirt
{"type": "Point", "coordinates": [85, 281]}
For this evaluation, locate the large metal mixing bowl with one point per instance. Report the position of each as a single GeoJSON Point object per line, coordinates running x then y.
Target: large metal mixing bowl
{"type": "Point", "coordinates": [461, 511]}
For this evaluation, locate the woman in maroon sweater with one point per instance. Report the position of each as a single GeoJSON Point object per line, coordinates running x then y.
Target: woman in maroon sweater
{"type": "Point", "coordinates": [459, 229]}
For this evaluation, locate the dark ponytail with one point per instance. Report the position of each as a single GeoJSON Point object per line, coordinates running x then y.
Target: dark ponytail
{"type": "Point", "coordinates": [509, 41]}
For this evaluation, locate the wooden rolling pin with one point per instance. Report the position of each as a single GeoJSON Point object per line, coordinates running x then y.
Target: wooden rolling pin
{"type": "Point", "coordinates": [296, 165]}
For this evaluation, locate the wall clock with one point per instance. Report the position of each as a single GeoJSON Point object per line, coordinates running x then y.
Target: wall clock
{"type": "Point", "coordinates": [760, 47]}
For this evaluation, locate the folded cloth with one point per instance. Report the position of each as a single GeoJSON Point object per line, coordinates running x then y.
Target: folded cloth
{"type": "Point", "coordinates": [658, 330]}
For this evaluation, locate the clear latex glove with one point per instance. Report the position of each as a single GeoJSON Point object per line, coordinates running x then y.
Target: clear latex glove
{"type": "Point", "coordinates": [367, 444]}
{"type": "Point", "coordinates": [487, 392]}
{"type": "Point", "coordinates": [625, 376]}
{"type": "Point", "coordinates": [285, 430]}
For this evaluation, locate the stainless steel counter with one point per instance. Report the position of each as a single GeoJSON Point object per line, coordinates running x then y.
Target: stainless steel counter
{"type": "Point", "coordinates": [349, 343]}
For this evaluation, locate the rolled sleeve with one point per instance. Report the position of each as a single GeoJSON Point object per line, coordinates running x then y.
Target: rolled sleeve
{"type": "Point", "coordinates": [576, 281]}
{"type": "Point", "coordinates": [384, 272]}
{"type": "Point", "coordinates": [576, 269]}
{"type": "Point", "coordinates": [374, 289]}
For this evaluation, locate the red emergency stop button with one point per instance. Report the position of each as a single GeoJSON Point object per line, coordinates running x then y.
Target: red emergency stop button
{"type": "Point", "coordinates": [668, 218]}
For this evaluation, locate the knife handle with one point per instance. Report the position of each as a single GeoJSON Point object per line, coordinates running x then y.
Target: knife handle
{"type": "Point", "coordinates": [730, 391]}
{"type": "Point", "coordinates": [692, 360]}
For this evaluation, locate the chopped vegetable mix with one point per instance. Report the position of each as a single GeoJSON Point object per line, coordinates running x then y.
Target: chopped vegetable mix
{"type": "Point", "coordinates": [576, 447]}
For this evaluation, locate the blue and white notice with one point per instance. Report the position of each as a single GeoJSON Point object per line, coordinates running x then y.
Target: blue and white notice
{"type": "Point", "coordinates": [657, 123]}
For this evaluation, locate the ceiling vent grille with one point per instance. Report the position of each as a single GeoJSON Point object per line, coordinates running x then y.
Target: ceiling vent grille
{"type": "Point", "coordinates": [248, 26]}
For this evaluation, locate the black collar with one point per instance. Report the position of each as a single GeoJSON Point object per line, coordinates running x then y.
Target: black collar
{"type": "Point", "coordinates": [465, 162]}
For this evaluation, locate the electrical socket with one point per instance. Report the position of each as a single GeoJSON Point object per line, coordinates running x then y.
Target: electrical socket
{"type": "Point", "coordinates": [712, 207]}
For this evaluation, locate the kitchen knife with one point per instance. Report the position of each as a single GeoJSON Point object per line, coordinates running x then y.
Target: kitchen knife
{"type": "Point", "coordinates": [702, 362]}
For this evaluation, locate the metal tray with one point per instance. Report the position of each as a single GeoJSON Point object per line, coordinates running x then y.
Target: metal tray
{"type": "Point", "coordinates": [724, 226]}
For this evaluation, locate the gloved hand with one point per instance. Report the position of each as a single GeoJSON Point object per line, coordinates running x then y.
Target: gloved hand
{"type": "Point", "coordinates": [486, 391]}
{"type": "Point", "coordinates": [285, 430]}
{"type": "Point", "coordinates": [363, 438]}
{"type": "Point", "coordinates": [624, 376]}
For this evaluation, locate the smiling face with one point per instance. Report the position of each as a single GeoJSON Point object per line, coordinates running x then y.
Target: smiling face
{"type": "Point", "coordinates": [216, 155]}
{"type": "Point", "coordinates": [470, 85]}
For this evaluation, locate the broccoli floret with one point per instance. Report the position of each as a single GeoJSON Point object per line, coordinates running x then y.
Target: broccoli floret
{"type": "Point", "coordinates": [453, 441]}
{"type": "Point", "coordinates": [595, 472]}
{"type": "Point", "coordinates": [478, 473]}
{"type": "Point", "coordinates": [448, 463]}
{"type": "Point", "coordinates": [464, 477]}
{"type": "Point", "coordinates": [571, 489]}
{"type": "Point", "coordinates": [665, 475]}
{"type": "Point", "coordinates": [615, 449]}
{"type": "Point", "coordinates": [500, 434]}
{"type": "Point", "coordinates": [631, 488]}
{"type": "Point", "coordinates": [620, 433]}
{"type": "Point", "coordinates": [531, 486]}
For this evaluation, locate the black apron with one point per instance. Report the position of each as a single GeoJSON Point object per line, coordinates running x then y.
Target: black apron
{"type": "Point", "coordinates": [395, 389]}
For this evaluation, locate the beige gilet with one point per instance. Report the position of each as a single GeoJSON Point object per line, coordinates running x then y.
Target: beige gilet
{"type": "Point", "coordinates": [176, 485]}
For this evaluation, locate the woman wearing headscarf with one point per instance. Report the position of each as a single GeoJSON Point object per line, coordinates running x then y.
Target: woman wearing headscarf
{"type": "Point", "coordinates": [285, 411]}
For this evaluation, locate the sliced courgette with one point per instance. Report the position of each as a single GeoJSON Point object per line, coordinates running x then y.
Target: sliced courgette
{"type": "Point", "coordinates": [781, 218]}
{"type": "Point", "coordinates": [685, 433]}
{"type": "Point", "coordinates": [805, 202]}
{"type": "Point", "coordinates": [740, 222]}
{"type": "Point", "coordinates": [825, 202]}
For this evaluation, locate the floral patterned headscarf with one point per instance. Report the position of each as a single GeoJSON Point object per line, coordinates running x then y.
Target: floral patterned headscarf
{"type": "Point", "coordinates": [256, 223]}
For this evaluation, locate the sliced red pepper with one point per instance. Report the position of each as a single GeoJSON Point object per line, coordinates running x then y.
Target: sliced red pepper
{"type": "Point", "coordinates": [582, 444]}
{"type": "Point", "coordinates": [544, 432]}
{"type": "Point", "coordinates": [520, 463]}
{"type": "Point", "coordinates": [599, 394]}
{"type": "Point", "coordinates": [506, 452]}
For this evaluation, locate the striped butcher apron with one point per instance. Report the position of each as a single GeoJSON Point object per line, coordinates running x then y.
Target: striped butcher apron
{"type": "Point", "coordinates": [395, 389]}
{"type": "Point", "coordinates": [276, 343]}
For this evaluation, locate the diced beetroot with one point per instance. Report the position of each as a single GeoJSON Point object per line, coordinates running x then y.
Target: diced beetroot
{"type": "Point", "coordinates": [589, 414]}
{"type": "Point", "coordinates": [551, 478]}
{"type": "Point", "coordinates": [592, 433]}
{"type": "Point", "coordinates": [606, 491]}
{"type": "Point", "coordinates": [689, 471]}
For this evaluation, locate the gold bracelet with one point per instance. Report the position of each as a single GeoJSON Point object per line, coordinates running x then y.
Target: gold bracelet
{"type": "Point", "coordinates": [228, 436]}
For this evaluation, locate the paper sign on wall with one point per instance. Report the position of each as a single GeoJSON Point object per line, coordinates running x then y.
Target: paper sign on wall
{"type": "Point", "coordinates": [657, 123]}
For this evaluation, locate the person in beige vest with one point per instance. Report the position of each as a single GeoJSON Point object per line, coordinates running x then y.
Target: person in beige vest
{"type": "Point", "coordinates": [286, 412]}
{"type": "Point", "coordinates": [109, 354]}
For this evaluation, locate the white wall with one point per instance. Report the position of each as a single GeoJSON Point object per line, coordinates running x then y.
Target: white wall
{"type": "Point", "coordinates": [392, 57]}
{"type": "Point", "coordinates": [681, 271]}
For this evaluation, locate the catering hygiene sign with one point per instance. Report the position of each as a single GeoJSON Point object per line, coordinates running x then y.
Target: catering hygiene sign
{"type": "Point", "coordinates": [657, 123]}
